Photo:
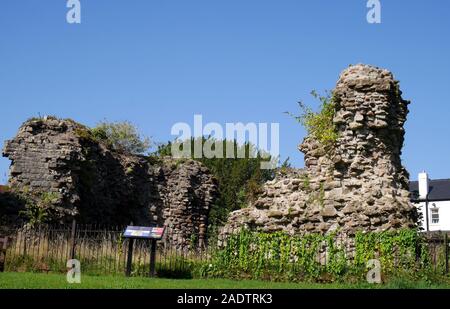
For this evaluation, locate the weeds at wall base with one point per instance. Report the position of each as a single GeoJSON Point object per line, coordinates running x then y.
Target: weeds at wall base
{"type": "Point", "coordinates": [405, 256]}
{"type": "Point", "coordinates": [327, 259]}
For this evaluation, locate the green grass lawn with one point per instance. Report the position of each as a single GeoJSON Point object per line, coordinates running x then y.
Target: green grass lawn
{"type": "Point", "coordinates": [58, 281]}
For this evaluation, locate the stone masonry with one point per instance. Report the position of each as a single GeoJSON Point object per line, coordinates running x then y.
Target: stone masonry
{"type": "Point", "coordinates": [94, 184]}
{"type": "Point", "coordinates": [359, 183]}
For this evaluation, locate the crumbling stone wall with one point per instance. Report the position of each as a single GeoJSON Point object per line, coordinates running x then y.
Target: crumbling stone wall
{"type": "Point", "coordinates": [359, 183]}
{"type": "Point", "coordinates": [92, 183]}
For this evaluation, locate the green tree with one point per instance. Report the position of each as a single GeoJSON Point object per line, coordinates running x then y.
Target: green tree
{"type": "Point", "coordinates": [239, 180]}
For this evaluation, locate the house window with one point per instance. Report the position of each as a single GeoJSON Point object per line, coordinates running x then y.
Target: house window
{"type": "Point", "coordinates": [435, 215]}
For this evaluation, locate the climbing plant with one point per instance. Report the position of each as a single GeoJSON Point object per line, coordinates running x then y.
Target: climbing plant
{"type": "Point", "coordinates": [319, 125]}
{"type": "Point", "coordinates": [281, 256]}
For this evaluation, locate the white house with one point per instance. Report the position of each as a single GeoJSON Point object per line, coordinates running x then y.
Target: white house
{"type": "Point", "coordinates": [432, 198]}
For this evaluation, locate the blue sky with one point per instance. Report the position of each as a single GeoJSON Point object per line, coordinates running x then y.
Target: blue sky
{"type": "Point", "coordinates": [158, 62]}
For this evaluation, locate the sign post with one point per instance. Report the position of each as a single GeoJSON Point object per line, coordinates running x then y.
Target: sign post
{"type": "Point", "coordinates": [129, 257]}
{"type": "Point", "coordinates": [152, 258]}
{"type": "Point", "coordinates": [143, 232]}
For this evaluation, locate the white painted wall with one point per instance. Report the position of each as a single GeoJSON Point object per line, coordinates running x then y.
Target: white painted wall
{"type": "Point", "coordinates": [423, 185]}
{"type": "Point", "coordinates": [444, 215]}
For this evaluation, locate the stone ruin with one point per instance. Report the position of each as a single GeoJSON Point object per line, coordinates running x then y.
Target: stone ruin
{"type": "Point", "coordinates": [88, 181]}
{"type": "Point", "coordinates": [359, 183]}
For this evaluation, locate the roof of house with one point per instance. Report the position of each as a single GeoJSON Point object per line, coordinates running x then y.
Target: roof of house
{"type": "Point", "coordinates": [3, 189]}
{"type": "Point", "coordinates": [439, 190]}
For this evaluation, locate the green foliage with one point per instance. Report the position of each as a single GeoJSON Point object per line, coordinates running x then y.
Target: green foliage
{"type": "Point", "coordinates": [38, 206]}
{"type": "Point", "coordinates": [239, 180]}
{"type": "Point", "coordinates": [85, 134]}
{"type": "Point", "coordinates": [393, 249]}
{"type": "Point", "coordinates": [278, 256]}
{"type": "Point", "coordinates": [121, 136]}
{"type": "Point", "coordinates": [34, 214]}
{"type": "Point", "coordinates": [193, 241]}
{"type": "Point", "coordinates": [49, 198]}
{"type": "Point", "coordinates": [267, 256]}
{"type": "Point", "coordinates": [319, 125]}
{"type": "Point", "coordinates": [306, 182]}
{"type": "Point", "coordinates": [285, 167]}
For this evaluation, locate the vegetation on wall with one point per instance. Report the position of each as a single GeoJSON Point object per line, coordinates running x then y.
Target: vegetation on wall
{"type": "Point", "coordinates": [316, 257]}
{"type": "Point", "coordinates": [239, 180]}
{"type": "Point", "coordinates": [405, 256]}
{"type": "Point", "coordinates": [38, 206]}
{"type": "Point", "coordinates": [319, 125]}
{"type": "Point", "coordinates": [121, 136]}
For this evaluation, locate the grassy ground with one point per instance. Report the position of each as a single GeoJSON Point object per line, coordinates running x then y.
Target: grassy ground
{"type": "Point", "coordinates": [58, 281]}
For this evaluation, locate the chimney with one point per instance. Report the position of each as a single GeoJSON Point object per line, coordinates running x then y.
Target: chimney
{"type": "Point", "coordinates": [423, 185]}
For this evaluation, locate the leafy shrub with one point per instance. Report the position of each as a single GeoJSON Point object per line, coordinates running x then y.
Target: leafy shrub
{"type": "Point", "coordinates": [121, 136]}
{"type": "Point", "coordinates": [319, 125]}
{"type": "Point", "coordinates": [38, 206]}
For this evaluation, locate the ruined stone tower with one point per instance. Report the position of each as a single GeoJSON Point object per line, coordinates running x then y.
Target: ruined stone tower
{"type": "Point", "coordinates": [357, 184]}
{"type": "Point", "coordinates": [59, 161]}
